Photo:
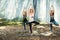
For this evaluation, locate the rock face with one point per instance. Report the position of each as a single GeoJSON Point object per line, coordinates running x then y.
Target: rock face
{"type": "Point", "coordinates": [18, 33]}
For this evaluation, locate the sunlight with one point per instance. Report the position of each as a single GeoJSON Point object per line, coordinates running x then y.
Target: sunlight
{"type": "Point", "coordinates": [2, 27]}
{"type": "Point", "coordinates": [43, 9]}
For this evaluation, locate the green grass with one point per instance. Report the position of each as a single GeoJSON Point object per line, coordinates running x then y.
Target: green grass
{"type": "Point", "coordinates": [4, 22]}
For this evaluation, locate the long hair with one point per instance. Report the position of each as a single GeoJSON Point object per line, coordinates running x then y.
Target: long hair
{"type": "Point", "coordinates": [24, 13]}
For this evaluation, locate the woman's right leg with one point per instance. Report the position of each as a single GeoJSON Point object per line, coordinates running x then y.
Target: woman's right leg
{"type": "Point", "coordinates": [36, 23]}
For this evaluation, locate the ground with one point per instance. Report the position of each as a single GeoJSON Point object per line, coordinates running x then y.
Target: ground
{"type": "Point", "coordinates": [16, 32]}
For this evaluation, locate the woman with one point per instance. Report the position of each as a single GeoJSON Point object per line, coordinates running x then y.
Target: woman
{"type": "Point", "coordinates": [25, 21]}
{"type": "Point", "coordinates": [31, 17]}
{"type": "Point", "coordinates": [52, 20]}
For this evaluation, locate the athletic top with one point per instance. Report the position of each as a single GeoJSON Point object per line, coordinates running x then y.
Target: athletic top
{"type": "Point", "coordinates": [31, 13]}
{"type": "Point", "coordinates": [31, 18]}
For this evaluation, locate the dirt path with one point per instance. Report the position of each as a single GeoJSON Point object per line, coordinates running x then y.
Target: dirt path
{"type": "Point", "coordinates": [16, 32]}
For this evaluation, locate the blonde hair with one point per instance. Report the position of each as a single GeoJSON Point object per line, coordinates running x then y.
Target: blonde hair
{"type": "Point", "coordinates": [24, 13]}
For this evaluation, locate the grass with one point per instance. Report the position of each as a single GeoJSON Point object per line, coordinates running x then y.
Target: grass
{"type": "Point", "coordinates": [4, 22]}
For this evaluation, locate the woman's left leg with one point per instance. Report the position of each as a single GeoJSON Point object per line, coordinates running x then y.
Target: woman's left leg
{"type": "Point", "coordinates": [55, 23]}
{"type": "Point", "coordinates": [30, 24]}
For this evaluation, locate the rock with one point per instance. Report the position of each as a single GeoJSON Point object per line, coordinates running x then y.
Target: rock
{"type": "Point", "coordinates": [40, 26]}
{"type": "Point", "coordinates": [35, 32]}
{"type": "Point", "coordinates": [46, 33]}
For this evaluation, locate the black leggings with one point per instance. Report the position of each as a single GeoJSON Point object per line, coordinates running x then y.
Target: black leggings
{"type": "Point", "coordinates": [25, 21]}
{"type": "Point", "coordinates": [30, 24]}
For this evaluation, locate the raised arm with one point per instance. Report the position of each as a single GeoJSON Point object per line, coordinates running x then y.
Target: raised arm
{"type": "Point", "coordinates": [51, 10]}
